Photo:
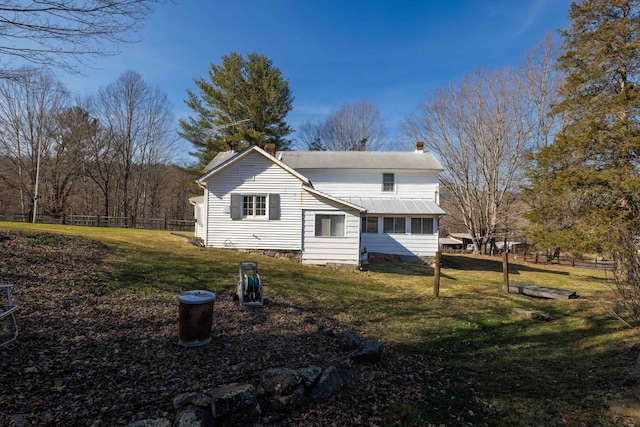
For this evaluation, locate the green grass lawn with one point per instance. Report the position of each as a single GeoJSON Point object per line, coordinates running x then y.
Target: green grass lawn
{"type": "Point", "coordinates": [562, 372]}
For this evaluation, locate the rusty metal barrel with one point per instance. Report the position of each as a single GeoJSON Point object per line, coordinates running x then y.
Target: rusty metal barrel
{"type": "Point", "coordinates": [196, 317]}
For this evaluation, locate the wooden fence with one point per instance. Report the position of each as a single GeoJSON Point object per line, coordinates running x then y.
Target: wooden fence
{"type": "Point", "coordinates": [581, 262]}
{"type": "Point", "coordinates": [108, 221]}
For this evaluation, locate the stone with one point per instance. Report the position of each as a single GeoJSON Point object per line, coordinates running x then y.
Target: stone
{"type": "Point", "coordinates": [309, 375]}
{"type": "Point", "coordinates": [158, 422]}
{"type": "Point", "coordinates": [200, 400]}
{"type": "Point", "coordinates": [192, 416]}
{"type": "Point", "coordinates": [329, 383]}
{"type": "Point", "coordinates": [347, 341]}
{"type": "Point", "coordinates": [231, 398]}
{"type": "Point", "coordinates": [280, 382]}
{"type": "Point", "coordinates": [368, 351]}
{"type": "Point", "coordinates": [289, 402]}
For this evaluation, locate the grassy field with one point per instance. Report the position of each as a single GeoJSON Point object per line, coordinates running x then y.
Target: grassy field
{"type": "Point", "coordinates": [562, 372]}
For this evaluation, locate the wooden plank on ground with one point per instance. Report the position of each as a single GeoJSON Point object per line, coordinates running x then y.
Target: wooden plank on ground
{"type": "Point", "coordinates": [541, 292]}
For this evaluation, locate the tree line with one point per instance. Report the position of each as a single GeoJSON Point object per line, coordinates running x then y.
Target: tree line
{"type": "Point", "coordinates": [109, 153]}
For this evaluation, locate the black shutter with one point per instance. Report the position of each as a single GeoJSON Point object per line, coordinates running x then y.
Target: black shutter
{"type": "Point", "coordinates": [236, 206]}
{"type": "Point", "coordinates": [274, 206]}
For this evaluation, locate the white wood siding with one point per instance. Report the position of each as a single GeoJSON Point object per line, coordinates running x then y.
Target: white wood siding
{"type": "Point", "coordinates": [199, 213]}
{"type": "Point", "coordinates": [402, 243]}
{"type": "Point", "coordinates": [254, 175]}
{"type": "Point", "coordinates": [323, 250]}
{"type": "Point", "coordinates": [368, 183]}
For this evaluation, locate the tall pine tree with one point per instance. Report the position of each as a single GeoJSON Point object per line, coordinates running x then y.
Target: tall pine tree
{"type": "Point", "coordinates": [244, 102]}
{"type": "Point", "coordinates": [588, 180]}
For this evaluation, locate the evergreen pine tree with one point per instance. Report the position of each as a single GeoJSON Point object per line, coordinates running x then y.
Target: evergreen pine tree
{"type": "Point", "coordinates": [588, 180]}
{"type": "Point", "coordinates": [244, 102]}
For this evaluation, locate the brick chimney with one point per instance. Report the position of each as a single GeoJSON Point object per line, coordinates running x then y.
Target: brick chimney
{"type": "Point", "coordinates": [270, 148]}
{"type": "Point", "coordinates": [419, 147]}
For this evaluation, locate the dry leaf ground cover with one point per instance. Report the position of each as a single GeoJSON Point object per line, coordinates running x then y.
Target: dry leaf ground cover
{"type": "Point", "coordinates": [99, 318]}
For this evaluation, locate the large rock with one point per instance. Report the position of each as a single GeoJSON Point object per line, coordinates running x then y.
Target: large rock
{"type": "Point", "coordinates": [289, 402]}
{"type": "Point", "coordinates": [192, 416]}
{"type": "Point", "coordinates": [347, 341]}
{"type": "Point", "coordinates": [309, 375]}
{"type": "Point", "coordinates": [368, 351]}
{"type": "Point", "coordinates": [200, 400]}
{"type": "Point", "coordinates": [231, 398]}
{"type": "Point", "coordinates": [280, 382]}
{"type": "Point", "coordinates": [329, 383]}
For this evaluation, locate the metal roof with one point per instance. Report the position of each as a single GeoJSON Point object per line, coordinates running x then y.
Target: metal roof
{"type": "Point", "coordinates": [220, 158]}
{"type": "Point", "coordinates": [449, 241]}
{"type": "Point", "coordinates": [359, 160]}
{"type": "Point", "coordinates": [460, 235]}
{"type": "Point", "coordinates": [396, 206]}
{"type": "Point", "coordinates": [342, 201]}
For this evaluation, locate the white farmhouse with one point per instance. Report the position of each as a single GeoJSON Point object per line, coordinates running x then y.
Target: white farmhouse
{"type": "Point", "coordinates": [329, 206]}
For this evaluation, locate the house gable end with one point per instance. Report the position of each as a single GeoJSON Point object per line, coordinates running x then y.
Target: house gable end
{"type": "Point", "coordinates": [239, 156]}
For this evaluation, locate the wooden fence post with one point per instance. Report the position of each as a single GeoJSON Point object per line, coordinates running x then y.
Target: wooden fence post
{"type": "Point", "coordinates": [436, 276]}
{"type": "Point", "coordinates": [505, 270]}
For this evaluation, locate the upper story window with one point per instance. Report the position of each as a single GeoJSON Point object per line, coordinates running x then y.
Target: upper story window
{"type": "Point", "coordinates": [254, 206]}
{"type": "Point", "coordinates": [388, 182]}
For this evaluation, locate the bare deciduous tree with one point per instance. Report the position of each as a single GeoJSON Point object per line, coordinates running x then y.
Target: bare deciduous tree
{"type": "Point", "coordinates": [544, 81]}
{"type": "Point", "coordinates": [308, 136]}
{"type": "Point", "coordinates": [139, 133]}
{"type": "Point", "coordinates": [28, 109]}
{"type": "Point", "coordinates": [61, 33]}
{"type": "Point", "coordinates": [481, 128]}
{"type": "Point", "coordinates": [354, 127]}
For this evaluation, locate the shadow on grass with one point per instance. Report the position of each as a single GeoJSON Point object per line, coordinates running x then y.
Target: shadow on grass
{"type": "Point", "coordinates": [400, 268]}
{"type": "Point", "coordinates": [470, 263]}
{"type": "Point", "coordinates": [534, 373]}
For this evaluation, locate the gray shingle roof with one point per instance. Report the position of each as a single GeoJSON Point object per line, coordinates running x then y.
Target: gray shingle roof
{"type": "Point", "coordinates": [300, 160]}
{"type": "Point", "coordinates": [347, 160]}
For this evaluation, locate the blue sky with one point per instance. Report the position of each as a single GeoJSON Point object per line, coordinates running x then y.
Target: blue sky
{"type": "Point", "coordinates": [331, 51]}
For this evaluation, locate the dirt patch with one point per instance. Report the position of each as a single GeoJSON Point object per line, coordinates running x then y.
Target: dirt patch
{"type": "Point", "coordinates": [87, 356]}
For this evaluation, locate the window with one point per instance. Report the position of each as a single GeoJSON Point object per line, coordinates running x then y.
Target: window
{"type": "Point", "coordinates": [393, 225]}
{"type": "Point", "coordinates": [254, 206]}
{"type": "Point", "coordinates": [330, 225]}
{"type": "Point", "coordinates": [369, 224]}
{"type": "Point", "coordinates": [388, 182]}
{"type": "Point", "coordinates": [421, 225]}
